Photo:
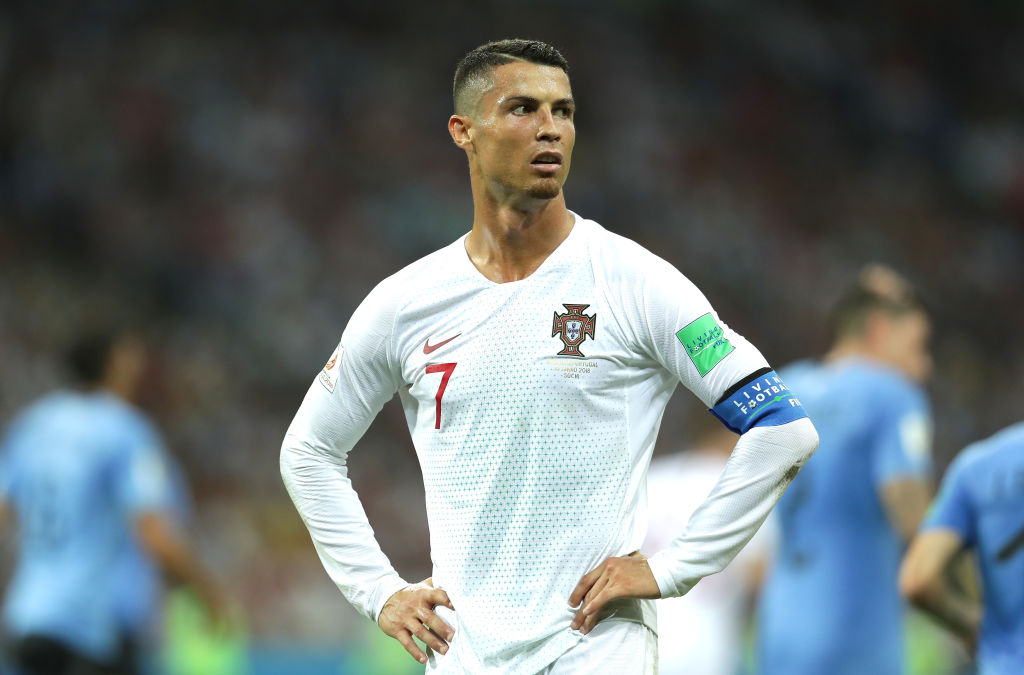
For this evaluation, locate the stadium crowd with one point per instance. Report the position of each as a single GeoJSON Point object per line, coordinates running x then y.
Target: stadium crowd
{"type": "Point", "coordinates": [236, 181]}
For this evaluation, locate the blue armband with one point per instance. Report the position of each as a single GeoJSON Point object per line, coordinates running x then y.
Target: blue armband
{"type": "Point", "coordinates": [762, 401]}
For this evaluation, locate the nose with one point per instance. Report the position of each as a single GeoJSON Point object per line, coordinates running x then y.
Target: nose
{"type": "Point", "coordinates": [547, 130]}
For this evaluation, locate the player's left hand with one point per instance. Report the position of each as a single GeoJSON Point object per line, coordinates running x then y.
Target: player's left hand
{"type": "Point", "coordinates": [619, 577]}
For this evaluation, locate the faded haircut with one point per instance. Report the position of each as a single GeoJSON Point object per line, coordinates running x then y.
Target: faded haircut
{"type": "Point", "coordinates": [877, 289]}
{"type": "Point", "coordinates": [476, 66]}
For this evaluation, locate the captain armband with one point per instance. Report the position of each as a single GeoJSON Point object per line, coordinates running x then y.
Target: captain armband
{"type": "Point", "coordinates": [760, 400]}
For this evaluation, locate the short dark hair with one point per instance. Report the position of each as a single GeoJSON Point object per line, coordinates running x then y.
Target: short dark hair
{"type": "Point", "coordinates": [481, 60]}
{"type": "Point", "coordinates": [877, 289]}
{"type": "Point", "coordinates": [88, 356]}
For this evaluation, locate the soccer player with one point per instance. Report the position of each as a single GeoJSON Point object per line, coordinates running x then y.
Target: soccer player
{"type": "Point", "coordinates": [82, 473]}
{"type": "Point", "coordinates": [534, 357]}
{"type": "Point", "coordinates": [980, 507]}
{"type": "Point", "coordinates": [830, 603]}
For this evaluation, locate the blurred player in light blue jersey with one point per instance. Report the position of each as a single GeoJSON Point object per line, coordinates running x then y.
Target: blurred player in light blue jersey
{"type": "Point", "coordinates": [82, 472]}
{"type": "Point", "coordinates": [831, 602]}
{"type": "Point", "coordinates": [980, 507]}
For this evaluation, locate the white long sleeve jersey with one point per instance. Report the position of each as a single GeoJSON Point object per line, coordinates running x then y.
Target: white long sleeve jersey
{"type": "Point", "coordinates": [533, 407]}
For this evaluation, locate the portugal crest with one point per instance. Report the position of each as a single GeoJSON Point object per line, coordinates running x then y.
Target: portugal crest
{"type": "Point", "coordinates": [573, 328]}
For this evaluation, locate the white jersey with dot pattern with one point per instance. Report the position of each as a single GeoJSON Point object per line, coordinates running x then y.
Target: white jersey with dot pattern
{"type": "Point", "coordinates": [533, 407]}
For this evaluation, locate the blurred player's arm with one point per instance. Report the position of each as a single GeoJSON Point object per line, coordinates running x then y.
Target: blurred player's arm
{"type": "Point", "coordinates": [905, 502]}
{"type": "Point", "coordinates": [949, 528]}
{"type": "Point", "coordinates": [172, 553]}
{"type": "Point", "coordinates": [338, 408]}
{"type": "Point", "coordinates": [160, 540]}
{"type": "Point", "coordinates": [925, 580]}
{"type": "Point", "coordinates": [901, 457]}
{"type": "Point", "coordinates": [143, 489]}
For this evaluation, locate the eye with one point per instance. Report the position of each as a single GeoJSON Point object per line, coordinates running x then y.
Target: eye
{"type": "Point", "coordinates": [519, 110]}
{"type": "Point", "coordinates": [564, 112]}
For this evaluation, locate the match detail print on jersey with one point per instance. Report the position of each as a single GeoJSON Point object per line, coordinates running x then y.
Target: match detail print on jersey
{"type": "Point", "coordinates": [428, 348]}
{"type": "Point", "coordinates": [705, 343]}
{"type": "Point", "coordinates": [329, 375]}
{"type": "Point", "coordinates": [573, 328]}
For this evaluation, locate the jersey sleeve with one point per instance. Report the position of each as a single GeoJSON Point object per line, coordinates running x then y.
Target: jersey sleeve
{"type": "Point", "coordinates": [953, 508]}
{"type": "Point", "coordinates": [903, 445]}
{"type": "Point", "coordinates": [681, 331]}
{"type": "Point", "coordinates": [358, 379]}
{"type": "Point", "coordinates": [764, 462]}
{"type": "Point", "coordinates": [141, 480]}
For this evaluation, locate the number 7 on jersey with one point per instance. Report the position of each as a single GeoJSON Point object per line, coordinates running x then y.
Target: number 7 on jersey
{"type": "Point", "coordinates": [447, 369]}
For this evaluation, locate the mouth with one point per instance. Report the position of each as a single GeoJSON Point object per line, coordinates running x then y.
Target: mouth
{"type": "Point", "coordinates": [548, 162]}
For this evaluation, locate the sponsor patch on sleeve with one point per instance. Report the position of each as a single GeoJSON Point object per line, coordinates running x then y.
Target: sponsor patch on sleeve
{"type": "Point", "coordinates": [916, 436]}
{"type": "Point", "coordinates": [329, 375]}
{"type": "Point", "coordinates": [705, 343]}
{"type": "Point", "coordinates": [764, 401]}
{"type": "Point", "coordinates": [148, 475]}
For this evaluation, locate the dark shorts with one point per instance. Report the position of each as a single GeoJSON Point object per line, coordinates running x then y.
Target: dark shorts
{"type": "Point", "coordinates": [43, 655]}
{"type": "Point", "coordinates": [127, 661]}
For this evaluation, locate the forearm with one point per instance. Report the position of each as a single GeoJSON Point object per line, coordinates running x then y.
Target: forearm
{"type": "Point", "coordinates": [905, 502]}
{"type": "Point", "coordinates": [174, 557]}
{"type": "Point", "coordinates": [931, 577]}
{"type": "Point", "coordinates": [323, 495]}
{"type": "Point", "coordinates": [764, 462]}
{"type": "Point", "coordinates": [954, 610]}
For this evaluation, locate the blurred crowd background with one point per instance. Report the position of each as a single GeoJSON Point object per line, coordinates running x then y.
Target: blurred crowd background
{"type": "Point", "coordinates": [236, 176]}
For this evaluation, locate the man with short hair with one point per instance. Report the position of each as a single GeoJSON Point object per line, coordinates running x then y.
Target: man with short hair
{"type": "Point", "coordinates": [534, 357]}
{"type": "Point", "coordinates": [830, 603]}
{"type": "Point", "coordinates": [980, 507]}
{"type": "Point", "coordinates": [81, 470]}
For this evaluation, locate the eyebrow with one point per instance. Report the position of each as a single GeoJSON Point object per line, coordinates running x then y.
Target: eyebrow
{"type": "Point", "coordinates": [519, 98]}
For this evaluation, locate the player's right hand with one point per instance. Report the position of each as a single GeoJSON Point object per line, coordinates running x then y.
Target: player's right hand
{"type": "Point", "coordinates": [410, 612]}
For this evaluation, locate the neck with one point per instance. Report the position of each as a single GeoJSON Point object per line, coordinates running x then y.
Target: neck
{"type": "Point", "coordinates": [123, 390]}
{"type": "Point", "coordinates": [509, 243]}
{"type": "Point", "coordinates": [853, 348]}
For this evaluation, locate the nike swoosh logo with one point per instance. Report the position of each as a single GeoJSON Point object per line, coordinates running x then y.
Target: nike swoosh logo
{"type": "Point", "coordinates": [427, 347]}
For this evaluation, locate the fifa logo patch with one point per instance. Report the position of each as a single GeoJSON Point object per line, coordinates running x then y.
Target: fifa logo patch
{"type": "Point", "coordinates": [573, 328]}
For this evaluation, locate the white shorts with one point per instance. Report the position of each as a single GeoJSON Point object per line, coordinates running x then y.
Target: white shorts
{"type": "Point", "coordinates": [612, 647]}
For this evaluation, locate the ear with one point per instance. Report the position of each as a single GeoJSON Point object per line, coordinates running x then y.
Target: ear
{"type": "Point", "coordinates": [461, 129]}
